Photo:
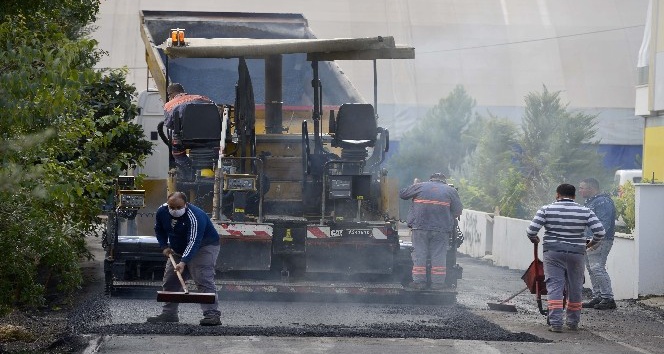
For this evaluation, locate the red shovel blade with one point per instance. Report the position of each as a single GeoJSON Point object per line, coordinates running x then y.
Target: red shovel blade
{"type": "Point", "coordinates": [534, 276]}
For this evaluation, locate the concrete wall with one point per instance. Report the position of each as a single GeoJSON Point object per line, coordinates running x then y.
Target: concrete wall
{"type": "Point", "coordinates": [649, 240]}
{"type": "Point", "coordinates": [622, 268]}
{"type": "Point", "coordinates": [477, 228]}
{"type": "Point", "coordinates": [510, 241]}
{"type": "Point", "coordinates": [504, 241]}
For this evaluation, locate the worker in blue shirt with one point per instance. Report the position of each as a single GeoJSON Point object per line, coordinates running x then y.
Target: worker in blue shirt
{"type": "Point", "coordinates": [602, 205]}
{"type": "Point", "coordinates": [186, 232]}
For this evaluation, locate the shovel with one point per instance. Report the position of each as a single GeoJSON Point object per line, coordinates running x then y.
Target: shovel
{"type": "Point", "coordinates": [502, 306]}
{"type": "Point", "coordinates": [534, 279]}
{"type": "Point", "coordinates": [185, 296]}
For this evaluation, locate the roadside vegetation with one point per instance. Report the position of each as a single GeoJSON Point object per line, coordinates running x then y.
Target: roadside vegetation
{"type": "Point", "coordinates": [497, 165]}
{"type": "Point", "coordinates": [65, 134]}
{"type": "Point", "coordinates": [625, 207]}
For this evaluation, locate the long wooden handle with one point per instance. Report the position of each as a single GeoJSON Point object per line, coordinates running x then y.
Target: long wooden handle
{"type": "Point", "coordinates": [513, 296]}
{"type": "Point", "coordinates": [536, 268]}
{"type": "Point", "coordinates": [184, 286]}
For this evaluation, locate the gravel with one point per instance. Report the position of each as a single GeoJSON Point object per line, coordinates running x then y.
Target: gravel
{"type": "Point", "coordinates": [94, 313]}
{"type": "Point", "coordinates": [104, 315]}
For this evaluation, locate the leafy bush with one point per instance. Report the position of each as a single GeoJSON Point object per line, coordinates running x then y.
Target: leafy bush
{"type": "Point", "coordinates": [65, 134]}
{"type": "Point", "coordinates": [625, 206]}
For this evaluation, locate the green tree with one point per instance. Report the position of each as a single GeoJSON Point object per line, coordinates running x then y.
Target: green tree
{"type": "Point", "coordinates": [68, 17]}
{"type": "Point", "coordinates": [66, 132]}
{"type": "Point", "coordinates": [557, 147]}
{"type": "Point", "coordinates": [516, 171]}
{"type": "Point", "coordinates": [439, 141]}
{"type": "Point", "coordinates": [489, 178]}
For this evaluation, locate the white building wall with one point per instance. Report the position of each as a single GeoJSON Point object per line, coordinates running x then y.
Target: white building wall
{"type": "Point", "coordinates": [151, 114]}
{"type": "Point", "coordinates": [500, 51]}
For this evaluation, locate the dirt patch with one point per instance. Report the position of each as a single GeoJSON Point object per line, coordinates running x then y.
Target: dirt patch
{"type": "Point", "coordinates": [53, 329]}
{"type": "Point", "coordinates": [38, 332]}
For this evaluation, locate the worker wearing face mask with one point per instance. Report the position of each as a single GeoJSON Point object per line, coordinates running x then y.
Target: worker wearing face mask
{"type": "Point", "coordinates": [186, 232]}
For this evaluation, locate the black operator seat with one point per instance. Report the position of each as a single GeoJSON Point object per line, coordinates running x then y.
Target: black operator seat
{"type": "Point", "coordinates": [200, 125]}
{"type": "Point", "coordinates": [356, 126]}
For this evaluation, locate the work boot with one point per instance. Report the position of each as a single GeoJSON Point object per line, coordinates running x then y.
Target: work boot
{"type": "Point", "coordinates": [210, 320]}
{"type": "Point", "coordinates": [606, 304]}
{"type": "Point", "coordinates": [591, 304]}
{"type": "Point", "coordinates": [573, 327]}
{"type": "Point", "coordinates": [557, 329]}
{"type": "Point", "coordinates": [164, 318]}
{"type": "Point", "coordinates": [417, 285]}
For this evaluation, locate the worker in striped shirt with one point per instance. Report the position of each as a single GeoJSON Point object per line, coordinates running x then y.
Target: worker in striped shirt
{"type": "Point", "coordinates": [564, 247]}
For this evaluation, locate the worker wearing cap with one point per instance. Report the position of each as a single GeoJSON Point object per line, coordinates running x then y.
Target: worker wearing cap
{"type": "Point", "coordinates": [431, 217]}
{"type": "Point", "coordinates": [178, 99]}
{"type": "Point", "coordinates": [186, 232]}
{"type": "Point", "coordinates": [564, 246]}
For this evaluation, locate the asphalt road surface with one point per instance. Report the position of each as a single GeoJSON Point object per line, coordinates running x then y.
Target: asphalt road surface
{"type": "Point", "coordinates": [117, 325]}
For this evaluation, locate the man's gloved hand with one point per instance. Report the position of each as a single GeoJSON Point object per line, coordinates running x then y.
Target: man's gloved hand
{"type": "Point", "coordinates": [167, 251]}
{"type": "Point", "coordinates": [180, 267]}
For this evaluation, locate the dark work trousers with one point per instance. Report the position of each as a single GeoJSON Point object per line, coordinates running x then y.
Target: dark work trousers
{"type": "Point", "coordinates": [180, 155]}
{"type": "Point", "coordinates": [432, 244]}
{"type": "Point", "coordinates": [201, 270]}
{"type": "Point", "coordinates": [563, 269]}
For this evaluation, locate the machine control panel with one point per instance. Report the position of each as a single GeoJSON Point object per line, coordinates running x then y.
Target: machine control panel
{"type": "Point", "coordinates": [126, 182]}
{"type": "Point", "coordinates": [240, 182]}
{"type": "Point", "coordinates": [340, 187]}
{"type": "Point", "coordinates": [131, 199]}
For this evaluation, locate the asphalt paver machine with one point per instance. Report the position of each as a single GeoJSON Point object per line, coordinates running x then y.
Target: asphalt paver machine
{"type": "Point", "coordinates": [295, 184]}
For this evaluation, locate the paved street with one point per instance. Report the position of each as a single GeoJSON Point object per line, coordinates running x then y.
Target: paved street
{"type": "Point", "coordinates": [293, 327]}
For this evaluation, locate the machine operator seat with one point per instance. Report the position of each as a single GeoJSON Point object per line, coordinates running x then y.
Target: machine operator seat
{"type": "Point", "coordinates": [356, 126]}
{"type": "Point", "coordinates": [199, 126]}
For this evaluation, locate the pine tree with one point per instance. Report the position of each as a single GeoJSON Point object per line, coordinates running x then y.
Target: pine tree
{"type": "Point", "coordinates": [557, 147]}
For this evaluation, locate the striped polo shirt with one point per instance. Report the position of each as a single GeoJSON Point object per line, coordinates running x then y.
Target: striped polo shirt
{"type": "Point", "coordinates": [564, 224]}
